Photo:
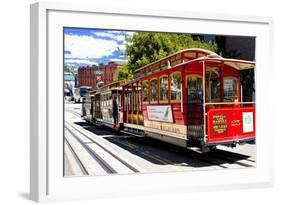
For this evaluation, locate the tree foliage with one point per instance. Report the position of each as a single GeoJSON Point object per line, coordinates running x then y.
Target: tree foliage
{"type": "Point", "coordinates": [146, 47]}
{"type": "Point", "coordinates": [124, 72]}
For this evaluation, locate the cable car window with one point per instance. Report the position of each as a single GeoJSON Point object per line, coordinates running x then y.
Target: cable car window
{"type": "Point", "coordinates": [134, 98]}
{"type": "Point", "coordinates": [129, 100]}
{"type": "Point", "coordinates": [194, 89]}
{"type": "Point", "coordinates": [153, 90]}
{"type": "Point", "coordinates": [138, 96]}
{"type": "Point", "coordinates": [176, 86]}
{"type": "Point", "coordinates": [126, 100]}
{"type": "Point", "coordinates": [164, 88]}
{"type": "Point", "coordinates": [230, 88]}
{"type": "Point", "coordinates": [212, 84]}
{"type": "Point", "coordinates": [145, 91]}
{"type": "Point", "coordinates": [139, 102]}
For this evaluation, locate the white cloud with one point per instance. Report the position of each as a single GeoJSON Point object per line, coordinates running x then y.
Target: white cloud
{"type": "Point", "coordinates": [115, 32]}
{"type": "Point", "coordinates": [118, 60]}
{"type": "Point", "coordinates": [114, 35]}
{"type": "Point", "coordinates": [85, 46]}
{"type": "Point", "coordinates": [104, 34]}
{"type": "Point", "coordinates": [111, 35]}
{"type": "Point", "coordinates": [129, 33]}
{"type": "Point", "coordinates": [121, 47]}
{"type": "Point", "coordinates": [89, 47]}
{"type": "Point", "coordinates": [120, 38]}
{"type": "Point", "coordinates": [81, 61]}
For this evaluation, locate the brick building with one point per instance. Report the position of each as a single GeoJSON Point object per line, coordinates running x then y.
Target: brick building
{"type": "Point", "coordinates": [91, 75]}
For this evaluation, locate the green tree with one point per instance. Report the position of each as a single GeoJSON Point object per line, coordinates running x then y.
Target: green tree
{"type": "Point", "coordinates": [146, 47]}
{"type": "Point", "coordinates": [124, 72]}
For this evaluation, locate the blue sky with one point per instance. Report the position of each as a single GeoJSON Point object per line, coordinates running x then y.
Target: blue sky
{"type": "Point", "coordinates": [93, 46]}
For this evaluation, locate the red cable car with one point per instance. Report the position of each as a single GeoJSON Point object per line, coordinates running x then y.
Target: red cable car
{"type": "Point", "coordinates": [192, 99]}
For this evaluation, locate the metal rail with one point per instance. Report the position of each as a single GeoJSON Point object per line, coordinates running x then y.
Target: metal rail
{"type": "Point", "coordinates": [80, 164]}
{"type": "Point", "coordinates": [147, 154]}
{"type": "Point", "coordinates": [229, 103]}
{"type": "Point", "coordinates": [93, 154]}
{"type": "Point", "coordinates": [235, 155]}
{"type": "Point", "coordinates": [204, 102]}
{"type": "Point", "coordinates": [181, 98]}
{"type": "Point", "coordinates": [231, 161]}
{"type": "Point", "coordinates": [73, 112]}
{"type": "Point", "coordinates": [164, 161]}
{"type": "Point", "coordinates": [204, 158]}
{"type": "Point", "coordinates": [106, 150]}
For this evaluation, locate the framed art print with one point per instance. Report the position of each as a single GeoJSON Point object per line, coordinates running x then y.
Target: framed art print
{"type": "Point", "coordinates": [131, 102]}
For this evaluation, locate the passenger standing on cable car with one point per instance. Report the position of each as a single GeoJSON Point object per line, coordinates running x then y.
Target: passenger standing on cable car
{"type": "Point", "coordinates": [115, 111]}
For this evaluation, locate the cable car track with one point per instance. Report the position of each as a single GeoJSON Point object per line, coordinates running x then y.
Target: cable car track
{"type": "Point", "coordinates": [107, 168]}
{"type": "Point", "coordinates": [147, 154]}
{"type": "Point", "coordinates": [77, 159]}
{"type": "Point", "coordinates": [75, 113]}
{"type": "Point", "coordinates": [165, 161]}
{"type": "Point", "coordinates": [106, 150]}
{"type": "Point", "coordinates": [234, 154]}
{"type": "Point", "coordinates": [232, 160]}
{"type": "Point", "coordinates": [209, 158]}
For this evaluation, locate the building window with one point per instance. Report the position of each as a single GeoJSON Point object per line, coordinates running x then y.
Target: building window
{"type": "Point", "coordinates": [176, 86]}
{"type": "Point", "coordinates": [153, 90]}
{"type": "Point", "coordinates": [164, 88]}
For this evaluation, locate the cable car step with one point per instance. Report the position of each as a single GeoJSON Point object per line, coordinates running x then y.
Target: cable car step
{"type": "Point", "coordinates": [133, 133]}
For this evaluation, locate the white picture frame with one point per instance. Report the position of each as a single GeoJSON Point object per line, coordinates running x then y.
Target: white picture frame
{"type": "Point", "coordinates": [46, 102]}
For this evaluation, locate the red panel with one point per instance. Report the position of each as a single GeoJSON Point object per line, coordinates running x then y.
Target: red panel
{"type": "Point", "coordinates": [177, 114]}
{"type": "Point", "coordinates": [230, 124]}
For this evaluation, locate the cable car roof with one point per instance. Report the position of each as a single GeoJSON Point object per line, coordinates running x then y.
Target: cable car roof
{"type": "Point", "coordinates": [191, 51]}
{"type": "Point", "coordinates": [187, 56]}
{"type": "Point", "coordinates": [234, 63]}
{"type": "Point", "coordinates": [116, 85]}
{"type": "Point", "coordinates": [240, 65]}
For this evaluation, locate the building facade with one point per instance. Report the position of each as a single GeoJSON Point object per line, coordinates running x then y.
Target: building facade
{"type": "Point", "coordinates": [96, 76]}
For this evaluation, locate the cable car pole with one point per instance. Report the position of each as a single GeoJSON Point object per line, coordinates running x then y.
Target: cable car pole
{"type": "Point", "coordinates": [204, 101]}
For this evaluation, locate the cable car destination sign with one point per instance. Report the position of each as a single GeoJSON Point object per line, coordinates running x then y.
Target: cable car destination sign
{"type": "Point", "coordinates": [219, 124]}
